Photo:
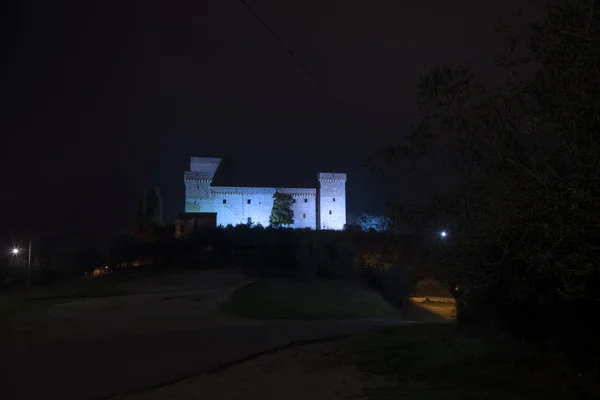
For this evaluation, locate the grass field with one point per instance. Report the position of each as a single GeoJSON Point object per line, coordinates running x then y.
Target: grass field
{"type": "Point", "coordinates": [434, 362]}
{"type": "Point", "coordinates": [22, 303]}
{"type": "Point", "coordinates": [283, 299]}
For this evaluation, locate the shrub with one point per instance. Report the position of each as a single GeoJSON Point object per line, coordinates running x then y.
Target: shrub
{"type": "Point", "coordinates": [341, 261]}
{"type": "Point", "coordinates": [394, 281]}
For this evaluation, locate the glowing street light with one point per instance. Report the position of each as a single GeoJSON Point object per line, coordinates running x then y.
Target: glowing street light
{"type": "Point", "coordinates": [15, 252]}
{"type": "Point", "coordinates": [443, 234]}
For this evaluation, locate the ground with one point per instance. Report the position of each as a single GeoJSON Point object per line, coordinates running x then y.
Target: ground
{"type": "Point", "coordinates": [162, 327]}
{"type": "Point", "coordinates": [415, 362]}
{"type": "Point", "coordinates": [186, 300]}
{"type": "Point", "coordinates": [320, 300]}
{"type": "Point", "coordinates": [315, 371]}
{"type": "Point", "coordinates": [167, 337]}
{"type": "Point", "coordinates": [430, 311]}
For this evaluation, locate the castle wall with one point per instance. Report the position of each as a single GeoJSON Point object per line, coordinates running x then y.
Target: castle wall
{"type": "Point", "coordinates": [304, 206]}
{"type": "Point", "coordinates": [240, 205]}
{"type": "Point", "coordinates": [332, 201]}
{"type": "Point", "coordinates": [235, 205]}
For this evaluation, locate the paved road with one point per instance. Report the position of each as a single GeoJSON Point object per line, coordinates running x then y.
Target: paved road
{"type": "Point", "coordinates": [105, 367]}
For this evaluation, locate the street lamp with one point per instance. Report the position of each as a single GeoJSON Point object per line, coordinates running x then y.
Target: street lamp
{"type": "Point", "coordinates": [443, 234]}
{"type": "Point", "coordinates": [16, 251]}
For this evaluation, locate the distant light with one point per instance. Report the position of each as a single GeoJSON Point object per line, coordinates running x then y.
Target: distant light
{"type": "Point", "coordinates": [15, 251]}
{"type": "Point", "coordinates": [443, 234]}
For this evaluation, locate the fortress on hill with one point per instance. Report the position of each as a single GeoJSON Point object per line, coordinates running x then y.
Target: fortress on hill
{"type": "Point", "coordinates": [316, 208]}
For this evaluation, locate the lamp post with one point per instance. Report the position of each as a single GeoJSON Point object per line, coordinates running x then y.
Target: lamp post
{"type": "Point", "coordinates": [16, 251]}
{"type": "Point", "coordinates": [29, 265]}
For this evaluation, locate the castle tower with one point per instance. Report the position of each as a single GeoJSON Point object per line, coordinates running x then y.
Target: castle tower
{"type": "Point", "coordinates": [331, 211]}
{"type": "Point", "coordinates": [197, 182]}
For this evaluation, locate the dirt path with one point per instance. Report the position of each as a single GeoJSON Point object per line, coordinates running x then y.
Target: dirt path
{"type": "Point", "coordinates": [158, 332]}
{"type": "Point", "coordinates": [316, 371]}
{"type": "Point", "coordinates": [182, 301]}
{"type": "Point", "coordinates": [89, 369]}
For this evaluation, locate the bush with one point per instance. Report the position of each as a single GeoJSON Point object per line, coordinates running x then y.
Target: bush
{"type": "Point", "coordinates": [395, 282]}
{"type": "Point", "coordinates": [341, 262]}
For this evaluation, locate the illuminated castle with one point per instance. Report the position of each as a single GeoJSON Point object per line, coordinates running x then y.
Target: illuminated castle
{"type": "Point", "coordinates": [322, 208]}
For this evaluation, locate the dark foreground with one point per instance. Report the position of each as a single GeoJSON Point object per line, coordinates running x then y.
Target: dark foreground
{"type": "Point", "coordinates": [101, 368]}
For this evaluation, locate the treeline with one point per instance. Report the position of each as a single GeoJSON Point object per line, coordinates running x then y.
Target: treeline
{"type": "Point", "coordinates": [524, 249]}
{"type": "Point", "coordinates": [383, 260]}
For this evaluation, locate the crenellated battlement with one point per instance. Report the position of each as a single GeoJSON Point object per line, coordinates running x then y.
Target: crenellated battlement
{"type": "Point", "coordinates": [298, 192]}
{"type": "Point", "coordinates": [331, 177]}
{"type": "Point", "coordinates": [196, 176]}
{"type": "Point", "coordinates": [241, 205]}
{"type": "Point", "coordinates": [205, 165]}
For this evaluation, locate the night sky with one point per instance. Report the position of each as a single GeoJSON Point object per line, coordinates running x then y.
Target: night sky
{"type": "Point", "coordinates": [105, 98]}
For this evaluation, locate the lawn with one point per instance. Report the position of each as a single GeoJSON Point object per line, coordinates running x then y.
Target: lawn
{"type": "Point", "coordinates": [434, 362]}
{"type": "Point", "coordinates": [19, 304]}
{"type": "Point", "coordinates": [317, 300]}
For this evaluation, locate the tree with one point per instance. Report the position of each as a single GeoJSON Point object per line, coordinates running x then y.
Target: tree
{"type": "Point", "coordinates": [282, 213]}
{"type": "Point", "coordinates": [527, 159]}
{"type": "Point", "coordinates": [368, 221]}
{"type": "Point", "coordinates": [148, 222]}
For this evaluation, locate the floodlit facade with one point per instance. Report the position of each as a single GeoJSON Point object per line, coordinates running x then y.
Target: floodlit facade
{"type": "Point", "coordinates": [314, 208]}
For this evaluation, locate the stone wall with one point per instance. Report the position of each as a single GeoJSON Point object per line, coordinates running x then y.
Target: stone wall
{"type": "Point", "coordinates": [207, 165]}
{"type": "Point", "coordinates": [240, 205]}
{"type": "Point", "coordinates": [332, 200]}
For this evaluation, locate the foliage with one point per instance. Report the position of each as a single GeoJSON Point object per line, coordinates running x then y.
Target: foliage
{"type": "Point", "coordinates": [329, 259]}
{"type": "Point", "coordinates": [82, 254]}
{"type": "Point", "coordinates": [282, 213]}
{"type": "Point", "coordinates": [148, 222]}
{"type": "Point", "coordinates": [436, 361]}
{"type": "Point", "coordinates": [121, 250]}
{"type": "Point", "coordinates": [379, 223]}
{"type": "Point", "coordinates": [527, 156]}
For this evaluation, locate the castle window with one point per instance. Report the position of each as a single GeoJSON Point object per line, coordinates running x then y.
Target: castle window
{"type": "Point", "coordinates": [329, 212]}
{"type": "Point", "coordinates": [334, 199]}
{"type": "Point", "coordinates": [306, 200]}
{"type": "Point", "coordinates": [249, 201]}
{"type": "Point", "coordinates": [303, 215]}
{"type": "Point", "coordinates": [198, 187]}
{"type": "Point", "coordinates": [294, 200]}
{"type": "Point", "coordinates": [224, 201]}
{"type": "Point", "coordinates": [249, 220]}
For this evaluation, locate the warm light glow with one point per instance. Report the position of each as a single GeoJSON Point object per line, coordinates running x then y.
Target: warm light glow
{"type": "Point", "coordinates": [15, 251]}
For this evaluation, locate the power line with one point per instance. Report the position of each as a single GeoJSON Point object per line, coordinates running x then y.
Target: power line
{"type": "Point", "coordinates": [303, 66]}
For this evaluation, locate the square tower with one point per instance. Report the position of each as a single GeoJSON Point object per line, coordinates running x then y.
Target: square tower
{"type": "Point", "coordinates": [331, 201]}
{"type": "Point", "coordinates": [197, 182]}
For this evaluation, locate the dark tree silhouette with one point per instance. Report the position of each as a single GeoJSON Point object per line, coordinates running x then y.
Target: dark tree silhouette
{"type": "Point", "coordinates": [526, 226]}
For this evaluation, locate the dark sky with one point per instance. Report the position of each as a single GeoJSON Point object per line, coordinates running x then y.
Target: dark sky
{"type": "Point", "coordinates": [104, 98]}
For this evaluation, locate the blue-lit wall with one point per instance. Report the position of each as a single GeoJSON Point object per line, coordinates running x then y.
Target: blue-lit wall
{"type": "Point", "coordinates": [240, 205]}
{"type": "Point", "coordinates": [332, 200]}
